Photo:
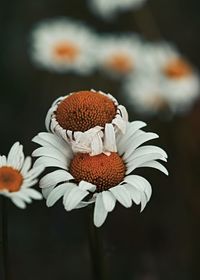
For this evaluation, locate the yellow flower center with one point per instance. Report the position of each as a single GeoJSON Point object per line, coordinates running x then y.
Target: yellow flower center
{"type": "Point", "coordinates": [177, 68]}
{"type": "Point", "coordinates": [66, 51]}
{"type": "Point", "coordinates": [120, 63]}
{"type": "Point", "coordinates": [10, 179]}
{"type": "Point", "coordinates": [103, 171]}
{"type": "Point", "coordinates": [84, 110]}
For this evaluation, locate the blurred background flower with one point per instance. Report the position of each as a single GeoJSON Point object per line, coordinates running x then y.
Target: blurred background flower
{"type": "Point", "coordinates": [108, 9]}
{"type": "Point", "coordinates": [157, 244]}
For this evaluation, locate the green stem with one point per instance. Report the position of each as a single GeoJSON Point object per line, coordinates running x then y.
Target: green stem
{"type": "Point", "coordinates": [98, 257]}
{"type": "Point", "coordinates": [3, 241]}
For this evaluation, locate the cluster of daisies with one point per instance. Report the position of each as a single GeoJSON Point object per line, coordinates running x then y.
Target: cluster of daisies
{"type": "Point", "coordinates": [155, 76]}
{"type": "Point", "coordinates": [93, 149]}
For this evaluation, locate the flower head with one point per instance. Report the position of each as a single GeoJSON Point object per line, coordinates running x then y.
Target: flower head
{"type": "Point", "coordinates": [62, 45]}
{"type": "Point", "coordinates": [83, 119]}
{"type": "Point", "coordinates": [81, 179]}
{"type": "Point", "coordinates": [165, 79]}
{"type": "Point", "coordinates": [119, 55]}
{"type": "Point", "coordinates": [109, 9]}
{"type": "Point", "coordinates": [16, 177]}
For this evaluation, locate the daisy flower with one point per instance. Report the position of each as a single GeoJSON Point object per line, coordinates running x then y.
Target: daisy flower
{"type": "Point", "coordinates": [16, 177]}
{"type": "Point", "coordinates": [62, 45]}
{"type": "Point", "coordinates": [109, 9]}
{"type": "Point", "coordinates": [145, 93]}
{"type": "Point", "coordinates": [178, 80]}
{"type": "Point", "coordinates": [81, 179]}
{"type": "Point", "coordinates": [119, 55]}
{"type": "Point", "coordinates": [88, 120]}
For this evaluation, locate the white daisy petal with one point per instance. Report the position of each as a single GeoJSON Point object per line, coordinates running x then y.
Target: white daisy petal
{"type": "Point", "coordinates": [134, 193]}
{"type": "Point", "coordinates": [109, 139]}
{"type": "Point", "coordinates": [56, 194]}
{"type": "Point", "coordinates": [122, 195]}
{"type": "Point", "coordinates": [109, 200]}
{"type": "Point", "coordinates": [86, 186]}
{"type": "Point", "coordinates": [131, 129]}
{"type": "Point", "coordinates": [3, 161]}
{"type": "Point", "coordinates": [49, 152]}
{"type": "Point", "coordinates": [18, 202]}
{"type": "Point", "coordinates": [47, 191]}
{"type": "Point", "coordinates": [26, 166]}
{"type": "Point", "coordinates": [33, 193]}
{"type": "Point", "coordinates": [49, 162]}
{"type": "Point", "coordinates": [141, 151]}
{"type": "Point", "coordinates": [156, 165]}
{"type": "Point", "coordinates": [55, 177]}
{"type": "Point", "coordinates": [139, 141]}
{"type": "Point", "coordinates": [100, 212]}
{"type": "Point", "coordinates": [137, 162]}
{"type": "Point", "coordinates": [96, 145]}
{"type": "Point", "coordinates": [139, 183]}
{"type": "Point", "coordinates": [143, 201]}
{"type": "Point", "coordinates": [74, 198]}
{"type": "Point", "coordinates": [70, 187]}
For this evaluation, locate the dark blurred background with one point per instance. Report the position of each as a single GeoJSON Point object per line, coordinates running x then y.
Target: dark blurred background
{"type": "Point", "coordinates": [162, 242]}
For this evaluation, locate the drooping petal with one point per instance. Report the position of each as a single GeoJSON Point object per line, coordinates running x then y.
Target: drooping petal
{"type": "Point", "coordinates": [100, 212]}
{"type": "Point", "coordinates": [122, 195]}
{"type": "Point", "coordinates": [134, 193]}
{"type": "Point", "coordinates": [18, 202]}
{"type": "Point", "coordinates": [74, 198]}
{"type": "Point", "coordinates": [109, 200]}
{"type": "Point", "coordinates": [109, 139]}
{"type": "Point", "coordinates": [56, 194]}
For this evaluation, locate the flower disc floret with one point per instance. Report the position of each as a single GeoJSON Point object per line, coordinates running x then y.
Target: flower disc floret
{"type": "Point", "coordinates": [84, 110]}
{"type": "Point", "coordinates": [178, 68]}
{"type": "Point", "coordinates": [101, 170]}
{"type": "Point", "coordinates": [10, 179]}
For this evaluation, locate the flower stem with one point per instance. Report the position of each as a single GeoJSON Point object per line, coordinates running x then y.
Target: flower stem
{"type": "Point", "coordinates": [3, 240]}
{"type": "Point", "coordinates": [98, 256]}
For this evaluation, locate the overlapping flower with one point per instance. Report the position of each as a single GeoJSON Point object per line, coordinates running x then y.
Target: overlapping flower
{"type": "Point", "coordinates": [17, 177]}
{"type": "Point", "coordinates": [88, 120]}
{"type": "Point", "coordinates": [165, 80]}
{"type": "Point", "coordinates": [103, 177]}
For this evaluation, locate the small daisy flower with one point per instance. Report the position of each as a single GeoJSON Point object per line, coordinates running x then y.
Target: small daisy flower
{"type": "Point", "coordinates": [145, 93]}
{"type": "Point", "coordinates": [81, 179]}
{"type": "Point", "coordinates": [108, 9]}
{"type": "Point", "coordinates": [120, 55]}
{"type": "Point", "coordinates": [88, 120]}
{"type": "Point", "coordinates": [62, 45]}
{"type": "Point", "coordinates": [16, 177]}
{"type": "Point", "coordinates": [179, 81]}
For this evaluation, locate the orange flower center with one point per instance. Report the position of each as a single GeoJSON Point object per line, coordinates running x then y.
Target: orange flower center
{"type": "Point", "coordinates": [103, 171]}
{"type": "Point", "coordinates": [66, 51]}
{"type": "Point", "coordinates": [84, 110]}
{"type": "Point", "coordinates": [177, 68]}
{"type": "Point", "coordinates": [120, 63]}
{"type": "Point", "coordinates": [10, 179]}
